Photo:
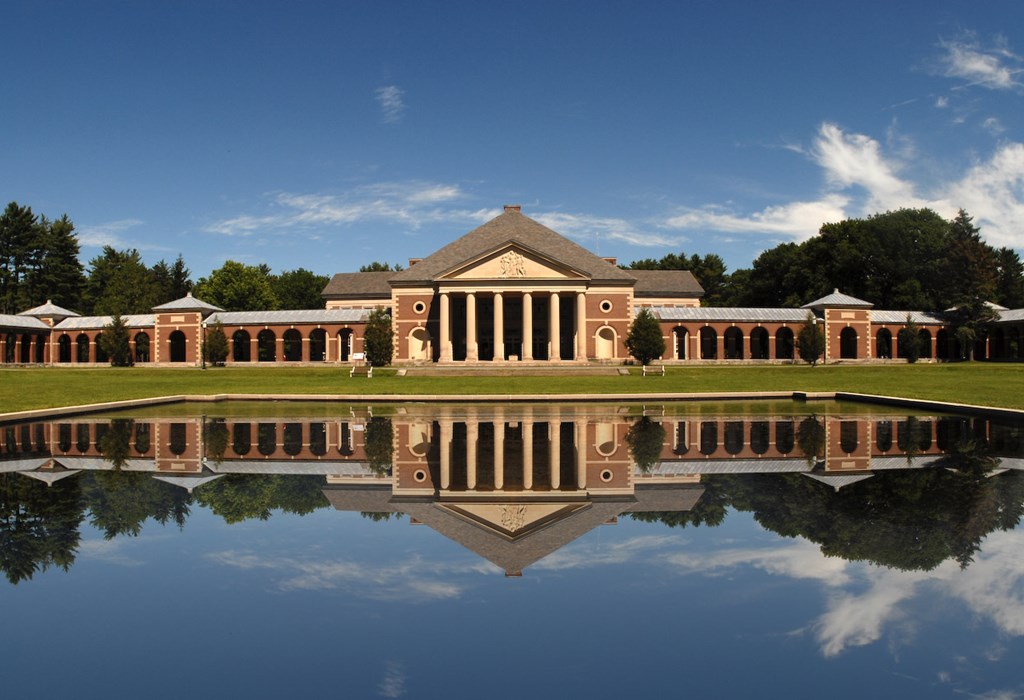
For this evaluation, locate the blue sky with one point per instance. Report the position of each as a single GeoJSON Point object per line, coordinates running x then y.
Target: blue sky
{"type": "Point", "coordinates": [328, 135]}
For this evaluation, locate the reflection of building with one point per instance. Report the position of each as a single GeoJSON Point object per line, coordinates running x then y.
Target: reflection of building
{"type": "Point", "coordinates": [512, 483]}
{"type": "Point", "coordinates": [510, 291]}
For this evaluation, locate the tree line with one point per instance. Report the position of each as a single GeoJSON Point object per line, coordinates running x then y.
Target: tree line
{"type": "Point", "coordinates": [39, 261]}
{"type": "Point", "coordinates": [908, 259]}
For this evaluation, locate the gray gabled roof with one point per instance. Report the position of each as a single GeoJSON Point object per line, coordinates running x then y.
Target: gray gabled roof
{"type": "Point", "coordinates": [187, 303]}
{"type": "Point", "coordinates": [22, 323]}
{"type": "Point", "coordinates": [709, 314]}
{"type": "Point", "coordinates": [1011, 316]}
{"type": "Point", "coordinates": [359, 285]}
{"type": "Point", "coordinates": [304, 316]}
{"type": "Point", "coordinates": [666, 283]}
{"type": "Point", "coordinates": [837, 298]}
{"type": "Point", "coordinates": [86, 323]}
{"type": "Point", "coordinates": [512, 227]}
{"type": "Point", "coordinates": [48, 310]}
{"type": "Point", "coordinates": [901, 317]}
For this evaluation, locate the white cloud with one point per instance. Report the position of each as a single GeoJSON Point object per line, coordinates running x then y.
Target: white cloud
{"type": "Point", "coordinates": [587, 228]}
{"type": "Point", "coordinates": [410, 204]}
{"type": "Point", "coordinates": [994, 68]}
{"type": "Point", "coordinates": [993, 192]}
{"type": "Point", "coordinates": [392, 103]}
{"type": "Point", "coordinates": [799, 220]}
{"type": "Point", "coordinates": [99, 235]}
{"type": "Point", "coordinates": [993, 126]}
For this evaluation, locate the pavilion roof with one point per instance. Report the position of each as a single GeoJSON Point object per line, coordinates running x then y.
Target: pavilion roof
{"type": "Point", "coordinates": [22, 323]}
{"type": "Point", "coordinates": [48, 310]}
{"type": "Point", "coordinates": [661, 283]}
{"type": "Point", "coordinates": [359, 285]}
{"type": "Point", "coordinates": [837, 298]}
{"type": "Point", "coordinates": [187, 303]}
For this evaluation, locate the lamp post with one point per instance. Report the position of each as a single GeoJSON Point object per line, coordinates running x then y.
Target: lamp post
{"type": "Point", "coordinates": [202, 349]}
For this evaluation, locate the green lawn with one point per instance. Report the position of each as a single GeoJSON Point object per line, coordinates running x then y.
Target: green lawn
{"type": "Point", "coordinates": [974, 383]}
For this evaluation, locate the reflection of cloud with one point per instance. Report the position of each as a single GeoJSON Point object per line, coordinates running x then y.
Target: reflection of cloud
{"type": "Point", "coordinates": [411, 581]}
{"type": "Point", "coordinates": [393, 685]}
{"type": "Point", "coordinates": [587, 555]}
{"type": "Point", "coordinates": [110, 551]}
{"type": "Point", "coordinates": [801, 560]}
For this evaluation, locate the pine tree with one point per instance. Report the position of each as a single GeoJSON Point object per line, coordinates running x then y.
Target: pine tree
{"type": "Point", "coordinates": [115, 342]}
{"type": "Point", "coordinates": [811, 341]}
{"type": "Point", "coordinates": [379, 338]}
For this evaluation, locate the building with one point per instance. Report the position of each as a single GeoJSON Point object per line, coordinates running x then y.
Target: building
{"type": "Point", "coordinates": [511, 291]}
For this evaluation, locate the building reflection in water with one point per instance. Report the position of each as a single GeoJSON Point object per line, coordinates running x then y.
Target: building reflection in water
{"type": "Point", "coordinates": [511, 483]}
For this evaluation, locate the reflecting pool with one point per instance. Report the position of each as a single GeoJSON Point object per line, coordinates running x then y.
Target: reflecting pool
{"type": "Point", "coordinates": [417, 550]}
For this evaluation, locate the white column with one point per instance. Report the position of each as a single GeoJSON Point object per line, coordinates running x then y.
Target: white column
{"type": "Point", "coordinates": [446, 329]}
{"type": "Point", "coordinates": [554, 349]}
{"type": "Point", "coordinates": [446, 454]}
{"type": "Point", "coordinates": [499, 327]}
{"type": "Point", "coordinates": [554, 453]}
{"type": "Point", "coordinates": [581, 454]}
{"type": "Point", "coordinates": [528, 453]}
{"type": "Point", "coordinates": [499, 454]}
{"type": "Point", "coordinates": [472, 353]}
{"type": "Point", "coordinates": [581, 326]}
{"type": "Point", "coordinates": [527, 353]}
{"type": "Point", "coordinates": [472, 437]}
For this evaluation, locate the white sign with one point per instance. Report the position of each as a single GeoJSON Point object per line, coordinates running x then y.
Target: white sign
{"type": "Point", "coordinates": [358, 356]}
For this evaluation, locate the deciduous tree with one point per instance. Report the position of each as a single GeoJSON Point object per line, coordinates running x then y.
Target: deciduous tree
{"type": "Point", "coordinates": [644, 340]}
{"type": "Point", "coordinates": [379, 338]}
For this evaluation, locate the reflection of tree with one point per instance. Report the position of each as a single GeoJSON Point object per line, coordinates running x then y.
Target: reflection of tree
{"type": "Point", "coordinates": [810, 438]}
{"type": "Point", "coordinates": [381, 516]}
{"type": "Point", "coordinates": [116, 442]}
{"type": "Point", "coordinates": [120, 502]}
{"type": "Point", "coordinates": [38, 525]}
{"type": "Point", "coordinates": [238, 497]}
{"type": "Point", "coordinates": [215, 438]}
{"type": "Point", "coordinates": [710, 510]}
{"type": "Point", "coordinates": [645, 439]}
{"type": "Point", "coordinates": [379, 444]}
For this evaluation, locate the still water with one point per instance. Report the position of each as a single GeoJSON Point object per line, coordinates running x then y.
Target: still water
{"type": "Point", "coordinates": [733, 550]}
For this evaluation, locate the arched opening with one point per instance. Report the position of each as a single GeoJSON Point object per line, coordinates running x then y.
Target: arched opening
{"type": "Point", "coordinates": [178, 439]}
{"type": "Point", "coordinates": [981, 347]}
{"type": "Point", "coordinates": [733, 343]}
{"type": "Point", "coordinates": [883, 344]}
{"type": "Point", "coordinates": [344, 344]}
{"type": "Point", "coordinates": [141, 347]}
{"type": "Point", "coordinates": [41, 348]}
{"type": "Point", "coordinates": [682, 337]}
{"type": "Point", "coordinates": [292, 342]}
{"type": "Point", "coordinates": [10, 347]}
{"type": "Point", "coordinates": [708, 343]}
{"type": "Point", "coordinates": [996, 344]}
{"type": "Point", "coordinates": [784, 436]}
{"type": "Point", "coordinates": [419, 345]}
{"type": "Point", "coordinates": [266, 438]}
{"type": "Point", "coordinates": [925, 344]}
{"type": "Point", "coordinates": [64, 348]}
{"type": "Point", "coordinates": [734, 437]}
{"type": "Point", "coordinates": [784, 345]}
{"type": "Point", "coordinates": [848, 436]}
{"type": "Point", "coordinates": [1013, 344]}
{"type": "Point", "coordinates": [942, 344]}
{"type": "Point", "coordinates": [318, 439]}
{"type": "Point", "coordinates": [318, 345]}
{"type": "Point", "coordinates": [143, 437]}
{"type": "Point", "coordinates": [708, 437]}
{"type": "Point", "coordinates": [292, 441]}
{"type": "Point", "coordinates": [604, 344]}
{"type": "Point", "coordinates": [848, 344]}
{"type": "Point", "coordinates": [101, 354]}
{"type": "Point", "coordinates": [883, 435]}
{"type": "Point", "coordinates": [82, 348]}
{"type": "Point", "coordinates": [26, 348]}
{"type": "Point", "coordinates": [266, 346]}
{"type": "Point", "coordinates": [759, 344]}
{"type": "Point", "coordinates": [176, 341]}
{"type": "Point", "coordinates": [241, 438]}
{"type": "Point", "coordinates": [241, 346]}
{"type": "Point", "coordinates": [759, 436]}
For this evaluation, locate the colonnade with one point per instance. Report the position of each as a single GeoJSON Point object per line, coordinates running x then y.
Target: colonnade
{"type": "Point", "coordinates": [519, 332]}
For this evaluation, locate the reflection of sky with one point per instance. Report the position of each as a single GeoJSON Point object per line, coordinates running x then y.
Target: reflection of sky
{"type": "Point", "coordinates": [337, 605]}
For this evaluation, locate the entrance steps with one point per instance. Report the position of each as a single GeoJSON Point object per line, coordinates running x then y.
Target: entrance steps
{"type": "Point", "coordinates": [517, 369]}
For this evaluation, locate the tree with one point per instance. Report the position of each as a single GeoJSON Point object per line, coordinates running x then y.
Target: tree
{"type": "Point", "coordinates": [645, 439]}
{"type": "Point", "coordinates": [811, 341]}
{"type": "Point", "coordinates": [909, 340]}
{"type": "Point", "coordinates": [378, 338]}
{"type": "Point", "coordinates": [299, 289]}
{"type": "Point", "coordinates": [119, 283]}
{"type": "Point", "coordinates": [238, 287]}
{"type": "Point", "coordinates": [377, 266]}
{"type": "Point", "coordinates": [1010, 287]}
{"type": "Point", "coordinates": [59, 276]}
{"type": "Point", "coordinates": [116, 342]}
{"type": "Point", "coordinates": [644, 340]}
{"type": "Point", "coordinates": [215, 346]}
{"type": "Point", "coordinates": [171, 281]}
{"type": "Point", "coordinates": [20, 255]}
{"type": "Point", "coordinates": [379, 444]}
{"type": "Point", "coordinates": [710, 271]}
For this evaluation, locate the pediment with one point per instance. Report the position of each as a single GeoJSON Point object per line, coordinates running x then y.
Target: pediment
{"type": "Point", "coordinates": [512, 262]}
{"type": "Point", "coordinates": [513, 520]}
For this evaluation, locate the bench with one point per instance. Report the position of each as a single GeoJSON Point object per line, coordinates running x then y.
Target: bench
{"type": "Point", "coordinates": [654, 369]}
{"type": "Point", "coordinates": [361, 371]}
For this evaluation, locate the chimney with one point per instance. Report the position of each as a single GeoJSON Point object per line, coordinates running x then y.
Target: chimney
{"type": "Point", "coordinates": [513, 207]}
{"type": "Point", "coordinates": [613, 261]}
{"type": "Point", "coordinates": [413, 261]}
